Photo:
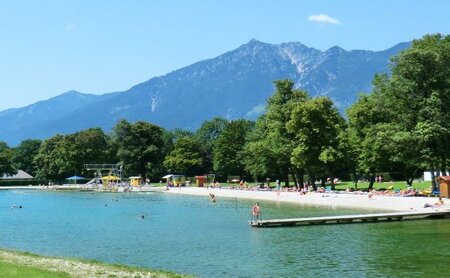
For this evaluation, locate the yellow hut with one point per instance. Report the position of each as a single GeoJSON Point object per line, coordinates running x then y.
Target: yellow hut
{"type": "Point", "coordinates": [110, 178]}
{"type": "Point", "coordinates": [136, 181]}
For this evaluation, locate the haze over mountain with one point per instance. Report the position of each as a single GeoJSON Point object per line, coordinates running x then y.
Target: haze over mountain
{"type": "Point", "coordinates": [233, 85]}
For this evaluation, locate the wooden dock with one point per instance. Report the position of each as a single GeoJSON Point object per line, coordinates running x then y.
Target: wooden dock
{"type": "Point", "coordinates": [354, 218]}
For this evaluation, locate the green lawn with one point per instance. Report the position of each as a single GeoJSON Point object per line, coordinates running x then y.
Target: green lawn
{"type": "Point", "coordinates": [398, 185]}
{"type": "Point", "coordinates": [8, 270]}
{"type": "Point", "coordinates": [27, 265]}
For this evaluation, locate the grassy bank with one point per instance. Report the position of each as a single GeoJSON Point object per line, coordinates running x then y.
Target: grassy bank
{"type": "Point", "coordinates": [397, 185]}
{"type": "Point", "coordinates": [342, 185]}
{"type": "Point", "coordinates": [14, 270]}
{"type": "Point", "coordinates": [19, 264]}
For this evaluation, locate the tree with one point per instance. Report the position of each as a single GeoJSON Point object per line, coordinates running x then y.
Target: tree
{"type": "Point", "coordinates": [186, 156]}
{"type": "Point", "coordinates": [6, 163]}
{"type": "Point", "coordinates": [228, 150]}
{"type": "Point", "coordinates": [48, 158]}
{"type": "Point", "coordinates": [367, 133]}
{"type": "Point", "coordinates": [207, 134]}
{"type": "Point", "coordinates": [412, 102]}
{"type": "Point", "coordinates": [23, 156]}
{"type": "Point", "coordinates": [85, 147]}
{"type": "Point", "coordinates": [420, 86]}
{"type": "Point", "coordinates": [139, 146]}
{"type": "Point", "coordinates": [317, 127]}
{"type": "Point", "coordinates": [269, 151]}
{"type": "Point", "coordinates": [260, 159]}
{"type": "Point", "coordinates": [65, 155]}
{"type": "Point", "coordinates": [178, 133]}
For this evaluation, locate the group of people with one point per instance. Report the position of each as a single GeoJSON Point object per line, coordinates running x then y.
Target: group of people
{"type": "Point", "coordinates": [214, 184]}
{"type": "Point", "coordinates": [407, 192]}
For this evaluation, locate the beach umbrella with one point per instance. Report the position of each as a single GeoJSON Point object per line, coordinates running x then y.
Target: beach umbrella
{"type": "Point", "coordinates": [75, 178]}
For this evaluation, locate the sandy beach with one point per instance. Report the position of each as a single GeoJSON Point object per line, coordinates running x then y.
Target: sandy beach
{"type": "Point", "coordinates": [349, 200]}
{"type": "Point", "coordinates": [362, 201]}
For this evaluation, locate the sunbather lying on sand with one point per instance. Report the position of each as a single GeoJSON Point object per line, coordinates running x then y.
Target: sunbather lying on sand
{"type": "Point", "coordinates": [438, 204]}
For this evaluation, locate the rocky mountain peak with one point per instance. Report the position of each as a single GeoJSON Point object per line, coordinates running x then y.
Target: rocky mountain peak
{"type": "Point", "coordinates": [233, 85]}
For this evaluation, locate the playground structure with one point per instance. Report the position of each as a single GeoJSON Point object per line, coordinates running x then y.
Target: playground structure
{"type": "Point", "coordinates": [105, 173]}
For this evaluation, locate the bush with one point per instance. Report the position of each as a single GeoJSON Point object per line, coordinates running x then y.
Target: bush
{"type": "Point", "coordinates": [21, 182]}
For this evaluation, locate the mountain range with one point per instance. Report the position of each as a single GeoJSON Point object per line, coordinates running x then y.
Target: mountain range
{"type": "Point", "coordinates": [233, 85]}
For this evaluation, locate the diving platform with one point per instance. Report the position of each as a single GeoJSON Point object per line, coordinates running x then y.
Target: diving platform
{"type": "Point", "coordinates": [353, 218]}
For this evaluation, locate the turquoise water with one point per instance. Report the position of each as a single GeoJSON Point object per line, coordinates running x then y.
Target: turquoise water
{"type": "Point", "coordinates": [191, 235]}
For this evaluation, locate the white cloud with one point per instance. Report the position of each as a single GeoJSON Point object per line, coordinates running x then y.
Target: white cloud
{"type": "Point", "coordinates": [323, 18]}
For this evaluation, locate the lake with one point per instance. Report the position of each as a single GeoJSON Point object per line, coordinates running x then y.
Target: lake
{"type": "Point", "coordinates": [189, 234]}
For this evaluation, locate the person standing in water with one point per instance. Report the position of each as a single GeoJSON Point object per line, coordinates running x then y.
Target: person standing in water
{"type": "Point", "coordinates": [256, 211]}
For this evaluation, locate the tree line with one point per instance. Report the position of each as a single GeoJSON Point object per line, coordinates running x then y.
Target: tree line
{"type": "Point", "coordinates": [401, 126]}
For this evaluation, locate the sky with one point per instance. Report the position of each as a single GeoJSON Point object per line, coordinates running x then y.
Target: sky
{"type": "Point", "coordinates": [50, 47]}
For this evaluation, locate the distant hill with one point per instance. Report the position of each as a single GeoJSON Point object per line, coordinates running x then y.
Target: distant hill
{"type": "Point", "coordinates": [233, 85]}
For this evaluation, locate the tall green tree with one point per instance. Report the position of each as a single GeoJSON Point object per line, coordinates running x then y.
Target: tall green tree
{"type": "Point", "coordinates": [420, 86]}
{"type": "Point", "coordinates": [6, 162]}
{"type": "Point", "coordinates": [65, 155]}
{"type": "Point", "coordinates": [185, 157]}
{"type": "Point", "coordinates": [84, 147]}
{"type": "Point", "coordinates": [413, 104]}
{"type": "Point", "coordinates": [207, 134]}
{"type": "Point", "coordinates": [260, 159]}
{"type": "Point", "coordinates": [367, 133]}
{"type": "Point", "coordinates": [139, 146]}
{"type": "Point", "coordinates": [229, 149]}
{"type": "Point", "coordinates": [49, 157]}
{"type": "Point", "coordinates": [317, 128]}
{"type": "Point", "coordinates": [269, 151]}
{"type": "Point", "coordinates": [23, 157]}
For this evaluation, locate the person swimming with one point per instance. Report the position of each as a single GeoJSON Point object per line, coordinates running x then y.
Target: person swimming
{"type": "Point", "coordinates": [213, 197]}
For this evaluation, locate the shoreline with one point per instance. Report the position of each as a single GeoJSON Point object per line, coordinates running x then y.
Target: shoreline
{"type": "Point", "coordinates": [80, 187]}
{"type": "Point", "coordinates": [382, 203]}
{"type": "Point", "coordinates": [356, 201]}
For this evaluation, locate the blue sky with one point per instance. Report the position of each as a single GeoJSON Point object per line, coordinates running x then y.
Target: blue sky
{"type": "Point", "coordinates": [50, 47]}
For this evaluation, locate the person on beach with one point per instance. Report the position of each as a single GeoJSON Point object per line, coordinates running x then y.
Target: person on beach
{"type": "Point", "coordinates": [438, 204]}
{"type": "Point", "coordinates": [256, 212]}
